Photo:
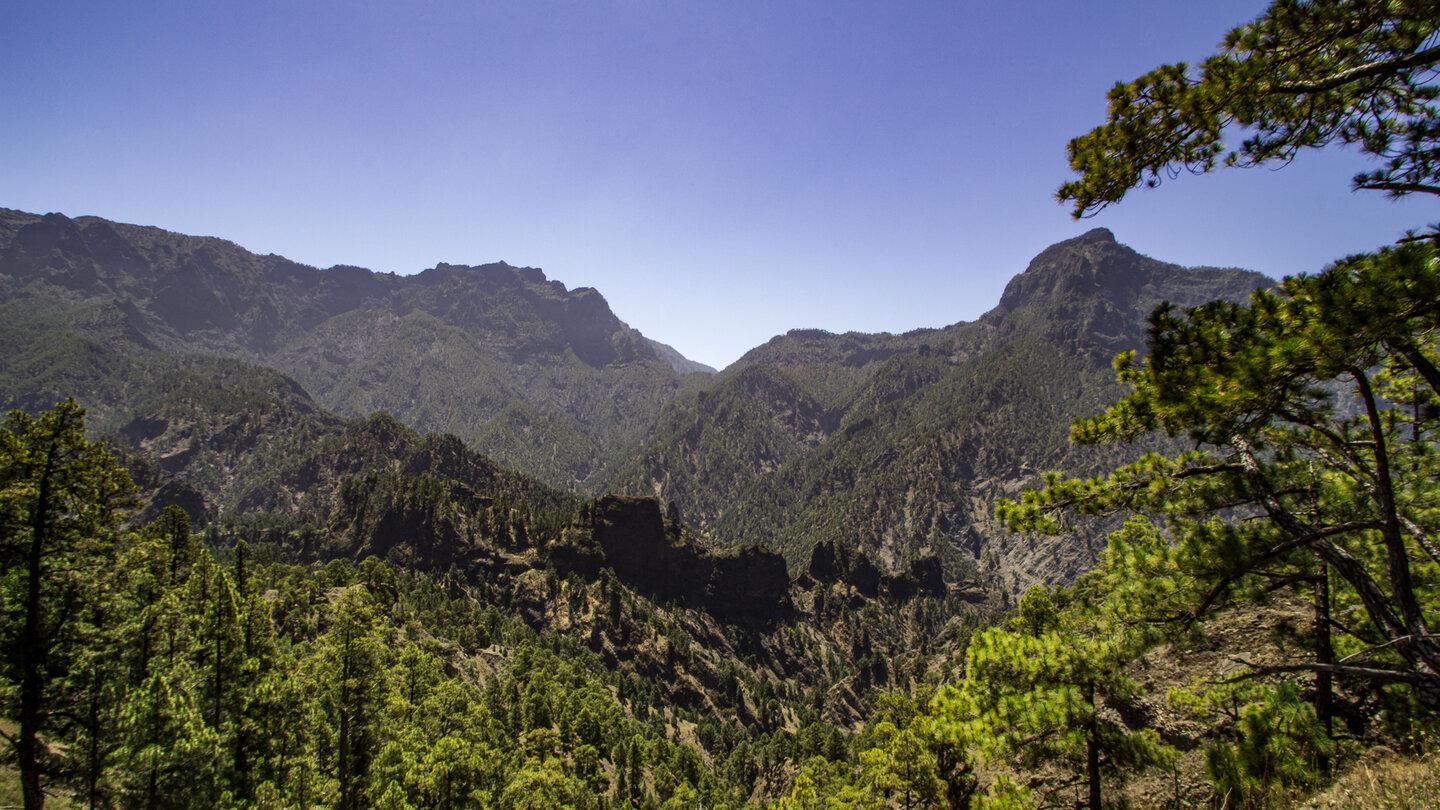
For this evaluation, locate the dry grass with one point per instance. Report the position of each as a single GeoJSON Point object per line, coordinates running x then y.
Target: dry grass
{"type": "Point", "coordinates": [1383, 780]}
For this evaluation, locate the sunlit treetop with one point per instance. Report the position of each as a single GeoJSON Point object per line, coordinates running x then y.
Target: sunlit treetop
{"type": "Point", "coordinates": [1305, 74]}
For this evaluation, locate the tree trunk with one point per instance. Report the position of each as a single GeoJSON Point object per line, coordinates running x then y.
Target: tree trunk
{"type": "Point", "coordinates": [1324, 652]}
{"type": "Point", "coordinates": [92, 770]}
{"type": "Point", "coordinates": [1092, 749]}
{"type": "Point", "coordinates": [32, 646]}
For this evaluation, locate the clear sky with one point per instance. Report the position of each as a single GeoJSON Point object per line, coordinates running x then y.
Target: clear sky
{"type": "Point", "coordinates": [721, 170]}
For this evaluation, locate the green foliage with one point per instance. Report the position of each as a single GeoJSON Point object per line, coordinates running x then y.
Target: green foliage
{"type": "Point", "coordinates": [1039, 690]}
{"type": "Point", "coordinates": [497, 676]}
{"type": "Point", "coordinates": [233, 676]}
{"type": "Point", "coordinates": [827, 785]}
{"type": "Point", "coordinates": [1308, 407]}
{"type": "Point", "coordinates": [1004, 794]}
{"type": "Point", "coordinates": [1279, 743]}
{"type": "Point", "coordinates": [1305, 74]}
{"type": "Point", "coordinates": [62, 500]}
{"type": "Point", "coordinates": [906, 762]}
{"type": "Point", "coordinates": [1281, 398]}
{"type": "Point", "coordinates": [1308, 411]}
{"type": "Point", "coordinates": [902, 768]}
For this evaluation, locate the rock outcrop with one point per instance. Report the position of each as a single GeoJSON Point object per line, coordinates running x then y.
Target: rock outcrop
{"type": "Point", "coordinates": [746, 582]}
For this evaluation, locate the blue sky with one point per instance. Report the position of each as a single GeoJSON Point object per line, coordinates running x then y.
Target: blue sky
{"type": "Point", "coordinates": [721, 171]}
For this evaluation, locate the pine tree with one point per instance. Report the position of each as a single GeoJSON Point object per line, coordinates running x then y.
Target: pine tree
{"type": "Point", "coordinates": [171, 754]}
{"type": "Point", "coordinates": [1298, 447]}
{"type": "Point", "coordinates": [1304, 75]}
{"type": "Point", "coordinates": [353, 675]}
{"type": "Point", "coordinates": [1310, 407]}
{"type": "Point", "coordinates": [901, 771]}
{"type": "Point", "coordinates": [1037, 691]}
{"type": "Point", "coordinates": [62, 502]}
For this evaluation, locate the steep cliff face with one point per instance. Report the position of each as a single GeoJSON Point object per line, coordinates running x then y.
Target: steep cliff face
{"type": "Point", "coordinates": [747, 583]}
{"type": "Point", "coordinates": [713, 631]}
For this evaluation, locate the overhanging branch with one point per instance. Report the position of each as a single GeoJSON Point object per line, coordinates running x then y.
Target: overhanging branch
{"type": "Point", "coordinates": [1382, 67]}
{"type": "Point", "coordinates": [1399, 188]}
{"type": "Point", "coordinates": [1390, 643]}
{"type": "Point", "coordinates": [1369, 673]}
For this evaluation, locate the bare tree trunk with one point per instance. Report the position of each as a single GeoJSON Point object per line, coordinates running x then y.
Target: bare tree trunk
{"type": "Point", "coordinates": [1092, 749]}
{"type": "Point", "coordinates": [32, 646]}
{"type": "Point", "coordinates": [1324, 652]}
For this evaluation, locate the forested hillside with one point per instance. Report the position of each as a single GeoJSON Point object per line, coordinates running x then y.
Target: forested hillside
{"type": "Point", "coordinates": [279, 537]}
{"type": "Point", "coordinates": [422, 629]}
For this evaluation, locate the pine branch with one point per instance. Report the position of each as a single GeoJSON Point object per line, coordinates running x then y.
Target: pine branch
{"type": "Point", "coordinates": [1419, 237]}
{"type": "Point", "coordinates": [1418, 360]}
{"type": "Point", "coordinates": [1371, 673]}
{"type": "Point", "coordinates": [1290, 545]}
{"type": "Point", "coordinates": [1382, 67]}
{"type": "Point", "coordinates": [1391, 642]}
{"type": "Point", "coordinates": [1399, 188]}
{"type": "Point", "coordinates": [1421, 538]}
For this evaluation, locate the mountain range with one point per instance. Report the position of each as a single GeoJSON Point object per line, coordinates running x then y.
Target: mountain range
{"type": "Point", "coordinates": [223, 369]}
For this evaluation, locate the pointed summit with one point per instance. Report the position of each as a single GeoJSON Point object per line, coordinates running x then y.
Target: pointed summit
{"type": "Point", "coordinates": [1093, 269]}
{"type": "Point", "coordinates": [1090, 245]}
{"type": "Point", "coordinates": [1080, 264]}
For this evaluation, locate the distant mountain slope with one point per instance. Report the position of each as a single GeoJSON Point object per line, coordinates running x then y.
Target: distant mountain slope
{"type": "Point", "coordinates": [678, 361]}
{"type": "Point", "coordinates": [899, 444]}
{"type": "Point", "coordinates": [896, 445]}
{"type": "Point", "coordinates": [465, 350]}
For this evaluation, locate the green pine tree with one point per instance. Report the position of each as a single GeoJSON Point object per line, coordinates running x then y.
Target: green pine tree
{"type": "Point", "coordinates": [62, 502]}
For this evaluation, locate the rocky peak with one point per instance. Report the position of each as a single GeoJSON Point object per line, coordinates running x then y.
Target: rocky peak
{"type": "Point", "coordinates": [830, 563]}
{"type": "Point", "coordinates": [1094, 236]}
{"type": "Point", "coordinates": [51, 248]}
{"type": "Point", "coordinates": [1088, 265]}
{"type": "Point", "coordinates": [1093, 267]}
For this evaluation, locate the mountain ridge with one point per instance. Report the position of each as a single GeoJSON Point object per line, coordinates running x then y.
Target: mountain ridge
{"type": "Point", "coordinates": [914, 435]}
{"type": "Point", "coordinates": [483, 338]}
{"type": "Point", "coordinates": [892, 444]}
